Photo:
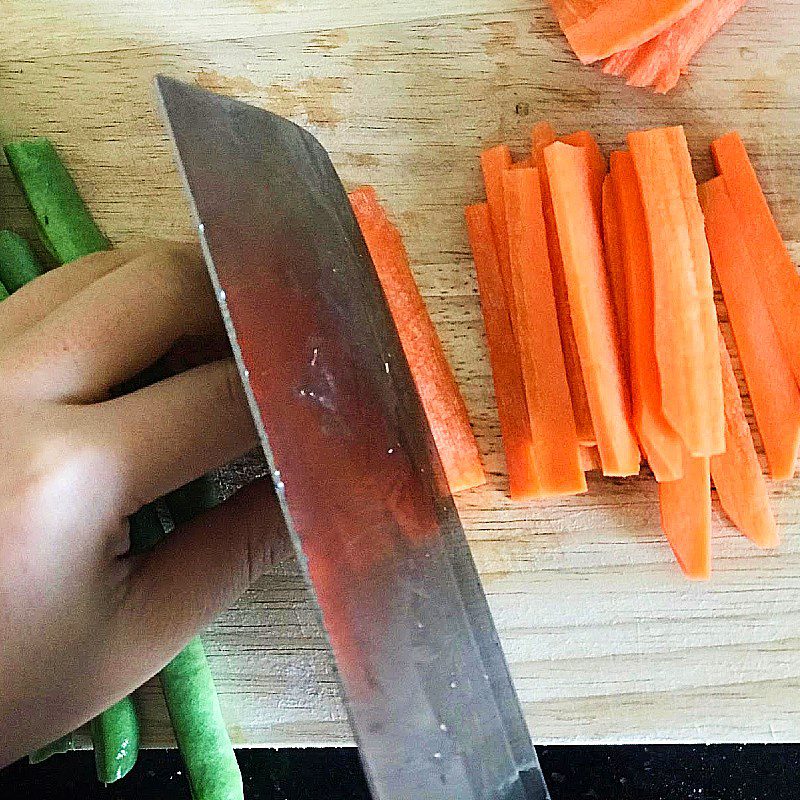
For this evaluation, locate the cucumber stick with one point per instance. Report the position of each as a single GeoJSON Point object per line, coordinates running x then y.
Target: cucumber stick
{"type": "Point", "coordinates": [199, 728]}
{"type": "Point", "coordinates": [69, 232]}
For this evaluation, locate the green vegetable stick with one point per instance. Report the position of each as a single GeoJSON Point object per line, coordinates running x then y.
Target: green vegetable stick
{"type": "Point", "coordinates": [62, 745]}
{"type": "Point", "coordinates": [18, 264]}
{"type": "Point", "coordinates": [69, 233]}
{"type": "Point", "coordinates": [115, 736]}
{"type": "Point", "coordinates": [67, 227]}
{"type": "Point", "coordinates": [199, 727]}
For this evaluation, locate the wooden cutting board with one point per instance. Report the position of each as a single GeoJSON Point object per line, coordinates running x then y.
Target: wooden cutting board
{"type": "Point", "coordinates": [607, 643]}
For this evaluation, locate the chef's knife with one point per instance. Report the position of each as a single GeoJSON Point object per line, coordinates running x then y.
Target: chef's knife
{"type": "Point", "coordinates": [424, 680]}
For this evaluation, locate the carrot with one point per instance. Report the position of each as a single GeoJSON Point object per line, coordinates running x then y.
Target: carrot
{"type": "Point", "coordinates": [615, 263]}
{"type": "Point", "coordinates": [579, 233]}
{"type": "Point", "coordinates": [590, 459]}
{"type": "Point", "coordinates": [773, 390]}
{"type": "Point", "coordinates": [685, 321]}
{"type": "Point", "coordinates": [506, 372]}
{"type": "Point", "coordinates": [596, 158]}
{"type": "Point", "coordinates": [555, 439]}
{"type": "Point", "coordinates": [776, 273]}
{"type": "Point", "coordinates": [542, 136]}
{"type": "Point", "coordinates": [686, 517]}
{"type": "Point", "coordinates": [494, 162]}
{"type": "Point", "coordinates": [444, 406]}
{"type": "Point", "coordinates": [737, 474]}
{"type": "Point", "coordinates": [661, 61]}
{"type": "Point", "coordinates": [526, 163]}
{"type": "Point", "coordinates": [661, 445]}
{"type": "Point", "coordinates": [597, 29]}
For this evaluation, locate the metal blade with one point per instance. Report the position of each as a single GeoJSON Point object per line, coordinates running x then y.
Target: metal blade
{"type": "Point", "coordinates": [425, 683]}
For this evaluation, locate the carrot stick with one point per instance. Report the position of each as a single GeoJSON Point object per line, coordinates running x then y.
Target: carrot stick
{"type": "Point", "coordinates": [615, 263]}
{"type": "Point", "coordinates": [555, 439]}
{"type": "Point", "coordinates": [772, 387]}
{"type": "Point", "coordinates": [685, 321]}
{"type": "Point", "coordinates": [661, 445]}
{"type": "Point", "coordinates": [737, 474]}
{"type": "Point", "coordinates": [776, 273]}
{"type": "Point", "coordinates": [579, 233]}
{"type": "Point", "coordinates": [597, 29]}
{"type": "Point", "coordinates": [524, 164]}
{"type": "Point", "coordinates": [542, 136]}
{"type": "Point", "coordinates": [444, 406]}
{"type": "Point", "coordinates": [596, 159]}
{"type": "Point", "coordinates": [494, 162]}
{"type": "Point", "coordinates": [661, 61]}
{"type": "Point", "coordinates": [590, 459]}
{"type": "Point", "coordinates": [686, 517]}
{"type": "Point", "coordinates": [506, 372]}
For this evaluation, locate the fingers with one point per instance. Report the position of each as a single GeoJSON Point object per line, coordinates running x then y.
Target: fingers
{"type": "Point", "coordinates": [114, 328]}
{"type": "Point", "coordinates": [197, 572]}
{"type": "Point", "coordinates": [173, 431]}
{"type": "Point", "coordinates": [32, 303]}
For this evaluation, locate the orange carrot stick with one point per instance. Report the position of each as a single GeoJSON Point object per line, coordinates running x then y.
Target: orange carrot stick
{"type": "Point", "coordinates": [444, 406]}
{"type": "Point", "coordinates": [615, 263]}
{"type": "Point", "coordinates": [542, 136]}
{"type": "Point", "coordinates": [590, 459]}
{"type": "Point", "coordinates": [596, 159]}
{"type": "Point", "coordinates": [597, 29]}
{"type": "Point", "coordinates": [508, 386]}
{"type": "Point", "coordinates": [661, 445]}
{"type": "Point", "coordinates": [579, 233]}
{"type": "Point", "coordinates": [686, 517]}
{"type": "Point", "coordinates": [555, 440]}
{"type": "Point", "coordinates": [780, 282]}
{"type": "Point", "coordinates": [772, 387]}
{"type": "Point", "coordinates": [494, 162]}
{"type": "Point", "coordinates": [685, 321]}
{"type": "Point", "coordinates": [661, 61]}
{"type": "Point", "coordinates": [737, 474]}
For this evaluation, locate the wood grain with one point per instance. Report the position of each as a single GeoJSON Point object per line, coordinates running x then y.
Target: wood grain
{"type": "Point", "coordinates": [606, 642]}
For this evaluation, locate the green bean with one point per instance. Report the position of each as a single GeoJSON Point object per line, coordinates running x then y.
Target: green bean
{"type": "Point", "coordinates": [62, 745]}
{"type": "Point", "coordinates": [199, 727]}
{"type": "Point", "coordinates": [115, 736]}
{"type": "Point", "coordinates": [65, 223]}
{"type": "Point", "coordinates": [18, 264]}
{"type": "Point", "coordinates": [69, 232]}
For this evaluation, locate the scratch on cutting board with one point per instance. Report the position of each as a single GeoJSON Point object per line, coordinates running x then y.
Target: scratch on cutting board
{"type": "Point", "coordinates": [311, 98]}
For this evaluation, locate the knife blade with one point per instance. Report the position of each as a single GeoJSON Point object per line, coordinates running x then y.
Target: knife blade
{"type": "Point", "coordinates": [425, 684]}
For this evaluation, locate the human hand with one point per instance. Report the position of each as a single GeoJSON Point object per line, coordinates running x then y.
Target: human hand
{"type": "Point", "coordinates": [81, 622]}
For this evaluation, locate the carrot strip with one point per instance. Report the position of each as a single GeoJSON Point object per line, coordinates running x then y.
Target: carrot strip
{"type": "Point", "coordinates": [579, 233]}
{"type": "Point", "coordinates": [597, 29]}
{"type": "Point", "coordinates": [596, 159]}
{"type": "Point", "coordinates": [615, 263]}
{"type": "Point", "coordinates": [780, 283]}
{"type": "Point", "coordinates": [661, 61]}
{"type": "Point", "coordinates": [506, 372]}
{"type": "Point", "coordinates": [736, 473]}
{"type": "Point", "coordinates": [772, 387]}
{"type": "Point", "coordinates": [685, 321]}
{"type": "Point", "coordinates": [661, 445]}
{"type": "Point", "coordinates": [686, 517]}
{"type": "Point", "coordinates": [526, 163]}
{"type": "Point", "coordinates": [494, 162]}
{"type": "Point", "coordinates": [590, 459]}
{"type": "Point", "coordinates": [555, 439]}
{"type": "Point", "coordinates": [444, 406]}
{"type": "Point", "coordinates": [542, 136]}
